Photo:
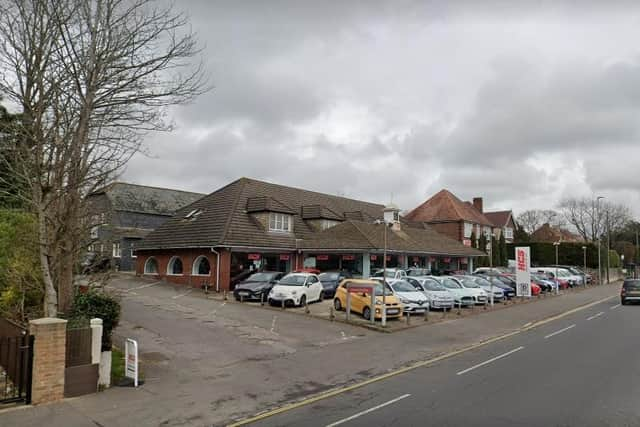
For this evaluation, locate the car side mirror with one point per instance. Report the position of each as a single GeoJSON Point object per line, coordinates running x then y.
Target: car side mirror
{"type": "Point", "coordinates": [364, 294]}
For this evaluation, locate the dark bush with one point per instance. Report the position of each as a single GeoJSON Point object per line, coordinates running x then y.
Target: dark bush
{"type": "Point", "coordinates": [543, 253]}
{"type": "Point", "coordinates": [97, 303]}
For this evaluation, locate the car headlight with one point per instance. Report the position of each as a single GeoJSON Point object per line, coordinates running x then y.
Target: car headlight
{"type": "Point", "coordinates": [378, 302]}
{"type": "Point", "coordinates": [404, 301]}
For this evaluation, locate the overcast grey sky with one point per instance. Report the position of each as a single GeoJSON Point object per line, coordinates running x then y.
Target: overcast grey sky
{"type": "Point", "coordinates": [519, 102]}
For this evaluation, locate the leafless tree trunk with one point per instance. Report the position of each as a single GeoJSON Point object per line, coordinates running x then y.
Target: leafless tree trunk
{"type": "Point", "coordinates": [91, 78]}
{"type": "Point", "coordinates": [589, 216]}
{"type": "Point", "coordinates": [531, 220]}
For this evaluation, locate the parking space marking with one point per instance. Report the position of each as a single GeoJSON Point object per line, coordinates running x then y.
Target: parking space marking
{"type": "Point", "coordinates": [560, 331]}
{"type": "Point", "coordinates": [148, 285]}
{"type": "Point", "coordinates": [486, 362]}
{"type": "Point", "coordinates": [595, 315]}
{"type": "Point", "coordinates": [181, 295]}
{"type": "Point", "coordinates": [359, 414]}
{"type": "Point", "coordinates": [615, 306]}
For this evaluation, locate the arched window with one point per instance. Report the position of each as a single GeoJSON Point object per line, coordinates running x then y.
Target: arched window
{"type": "Point", "coordinates": [201, 266]}
{"type": "Point", "coordinates": [151, 266]}
{"type": "Point", "coordinates": [175, 266]}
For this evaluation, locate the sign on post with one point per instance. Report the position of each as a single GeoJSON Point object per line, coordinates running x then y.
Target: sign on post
{"type": "Point", "coordinates": [131, 360]}
{"type": "Point", "coordinates": [354, 288]}
{"type": "Point", "coordinates": [523, 272]}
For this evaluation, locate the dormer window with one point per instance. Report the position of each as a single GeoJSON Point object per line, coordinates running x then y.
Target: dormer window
{"type": "Point", "coordinates": [193, 214]}
{"type": "Point", "coordinates": [280, 222]}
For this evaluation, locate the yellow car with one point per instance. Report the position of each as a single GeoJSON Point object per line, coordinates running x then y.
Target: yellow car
{"type": "Point", "coordinates": [361, 299]}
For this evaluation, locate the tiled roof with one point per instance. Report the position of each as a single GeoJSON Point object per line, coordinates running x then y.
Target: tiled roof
{"type": "Point", "coordinates": [445, 206]}
{"type": "Point", "coordinates": [367, 236]}
{"type": "Point", "coordinates": [547, 233]}
{"type": "Point", "coordinates": [150, 200]}
{"type": "Point", "coordinates": [498, 218]}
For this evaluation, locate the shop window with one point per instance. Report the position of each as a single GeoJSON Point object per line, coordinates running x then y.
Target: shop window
{"type": "Point", "coordinates": [201, 266]}
{"type": "Point", "coordinates": [280, 222]}
{"type": "Point", "coordinates": [175, 266]}
{"type": "Point", "coordinates": [151, 266]}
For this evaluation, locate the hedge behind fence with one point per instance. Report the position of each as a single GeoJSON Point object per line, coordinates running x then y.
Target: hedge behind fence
{"type": "Point", "coordinates": [543, 253]}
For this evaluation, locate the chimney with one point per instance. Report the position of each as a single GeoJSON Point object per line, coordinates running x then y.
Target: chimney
{"type": "Point", "coordinates": [477, 203]}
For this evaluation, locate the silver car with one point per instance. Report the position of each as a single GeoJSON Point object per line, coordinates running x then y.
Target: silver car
{"type": "Point", "coordinates": [438, 295]}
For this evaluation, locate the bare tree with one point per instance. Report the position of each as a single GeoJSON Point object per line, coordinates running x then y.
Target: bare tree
{"type": "Point", "coordinates": [91, 79]}
{"type": "Point", "coordinates": [592, 218]}
{"type": "Point", "coordinates": [531, 220]}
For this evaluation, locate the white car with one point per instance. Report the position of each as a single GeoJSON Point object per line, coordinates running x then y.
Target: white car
{"type": "Point", "coordinates": [438, 295]}
{"type": "Point", "coordinates": [563, 274]}
{"type": "Point", "coordinates": [412, 299]}
{"type": "Point", "coordinates": [480, 296]}
{"type": "Point", "coordinates": [296, 289]}
{"type": "Point", "coordinates": [461, 295]}
{"type": "Point", "coordinates": [498, 293]}
{"type": "Point", "coordinates": [392, 273]}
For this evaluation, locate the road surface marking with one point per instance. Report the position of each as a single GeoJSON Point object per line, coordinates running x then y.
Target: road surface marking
{"type": "Point", "coordinates": [595, 315]}
{"type": "Point", "coordinates": [486, 362]}
{"type": "Point", "coordinates": [148, 285]}
{"type": "Point", "coordinates": [359, 414]}
{"type": "Point", "coordinates": [560, 331]}
{"type": "Point", "coordinates": [428, 362]}
{"type": "Point", "coordinates": [181, 295]}
{"type": "Point", "coordinates": [615, 306]}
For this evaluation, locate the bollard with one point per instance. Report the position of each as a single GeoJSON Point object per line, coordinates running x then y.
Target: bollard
{"type": "Point", "coordinates": [485, 304]}
{"type": "Point", "coordinates": [241, 298]}
{"type": "Point", "coordinates": [332, 316]}
{"type": "Point", "coordinates": [408, 318]}
{"type": "Point", "coordinates": [444, 313]}
{"type": "Point", "coordinates": [473, 307]}
{"type": "Point", "coordinates": [262, 299]}
{"type": "Point", "coordinates": [282, 305]}
{"type": "Point", "coordinates": [306, 307]}
{"type": "Point", "coordinates": [224, 295]}
{"type": "Point", "coordinates": [460, 307]}
{"type": "Point", "coordinates": [426, 313]}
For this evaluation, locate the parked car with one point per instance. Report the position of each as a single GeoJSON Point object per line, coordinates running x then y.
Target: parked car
{"type": "Point", "coordinates": [496, 270]}
{"type": "Point", "coordinates": [544, 285]}
{"type": "Point", "coordinates": [413, 301]}
{"type": "Point", "coordinates": [361, 302]}
{"type": "Point", "coordinates": [297, 289]}
{"type": "Point", "coordinates": [576, 271]}
{"type": "Point", "coordinates": [438, 295]}
{"type": "Point", "coordinates": [468, 281]}
{"type": "Point", "coordinates": [392, 273]}
{"type": "Point", "coordinates": [415, 272]}
{"type": "Point", "coordinates": [630, 291]}
{"type": "Point", "coordinates": [508, 290]}
{"type": "Point", "coordinates": [461, 295]}
{"type": "Point", "coordinates": [572, 279]}
{"type": "Point", "coordinates": [256, 285]}
{"type": "Point", "coordinates": [330, 281]}
{"type": "Point", "coordinates": [546, 280]}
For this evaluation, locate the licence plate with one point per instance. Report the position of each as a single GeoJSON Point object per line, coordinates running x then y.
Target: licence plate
{"type": "Point", "coordinates": [244, 293]}
{"type": "Point", "coordinates": [392, 311]}
{"type": "Point", "coordinates": [418, 310]}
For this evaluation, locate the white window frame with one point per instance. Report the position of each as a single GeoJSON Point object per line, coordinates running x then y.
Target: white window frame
{"type": "Point", "coordinates": [508, 233]}
{"type": "Point", "coordinates": [132, 251]}
{"type": "Point", "coordinates": [468, 230]}
{"type": "Point", "coordinates": [116, 251]}
{"type": "Point", "coordinates": [146, 263]}
{"type": "Point", "coordinates": [196, 264]}
{"type": "Point", "coordinates": [280, 222]}
{"type": "Point", "coordinates": [170, 266]}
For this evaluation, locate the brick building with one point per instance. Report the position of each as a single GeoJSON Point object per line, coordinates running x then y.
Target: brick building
{"type": "Point", "coordinates": [250, 224]}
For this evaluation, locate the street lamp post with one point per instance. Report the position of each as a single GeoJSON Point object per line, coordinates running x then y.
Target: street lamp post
{"type": "Point", "coordinates": [557, 245]}
{"type": "Point", "coordinates": [384, 278]}
{"type": "Point", "coordinates": [584, 271]}
{"type": "Point", "coordinates": [599, 239]}
{"type": "Point", "coordinates": [491, 266]}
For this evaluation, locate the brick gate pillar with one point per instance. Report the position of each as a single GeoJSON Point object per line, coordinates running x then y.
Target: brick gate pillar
{"type": "Point", "coordinates": [49, 357]}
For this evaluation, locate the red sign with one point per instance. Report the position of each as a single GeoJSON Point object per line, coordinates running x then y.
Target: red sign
{"type": "Point", "coordinates": [360, 289]}
{"type": "Point", "coordinates": [522, 260]}
{"type": "Point", "coordinates": [348, 257]}
{"type": "Point", "coordinates": [467, 242]}
{"type": "Point", "coordinates": [322, 257]}
{"type": "Point", "coordinates": [432, 259]}
{"type": "Point", "coordinates": [416, 259]}
{"type": "Point", "coordinates": [373, 257]}
{"type": "Point", "coordinates": [446, 260]}
{"type": "Point", "coordinates": [464, 261]}
{"type": "Point", "coordinates": [253, 257]}
{"type": "Point", "coordinates": [285, 257]}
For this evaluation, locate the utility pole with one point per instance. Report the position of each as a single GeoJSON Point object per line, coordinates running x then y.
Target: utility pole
{"type": "Point", "coordinates": [384, 277]}
{"type": "Point", "coordinates": [491, 266]}
{"type": "Point", "coordinates": [608, 246]}
{"type": "Point", "coordinates": [635, 267]}
{"type": "Point", "coordinates": [599, 239]}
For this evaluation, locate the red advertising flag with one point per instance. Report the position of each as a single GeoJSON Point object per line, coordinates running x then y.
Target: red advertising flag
{"type": "Point", "coordinates": [322, 257]}
{"type": "Point", "coordinates": [253, 257]}
{"type": "Point", "coordinates": [285, 257]}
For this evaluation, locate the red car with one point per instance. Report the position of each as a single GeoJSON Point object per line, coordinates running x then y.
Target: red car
{"type": "Point", "coordinates": [535, 289]}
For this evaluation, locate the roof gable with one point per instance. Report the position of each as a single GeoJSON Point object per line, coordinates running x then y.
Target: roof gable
{"type": "Point", "coordinates": [445, 206]}
{"type": "Point", "coordinates": [149, 200]}
{"type": "Point", "coordinates": [499, 218]}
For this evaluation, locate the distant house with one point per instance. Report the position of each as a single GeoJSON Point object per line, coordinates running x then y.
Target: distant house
{"type": "Point", "coordinates": [122, 214]}
{"type": "Point", "coordinates": [548, 233]}
{"type": "Point", "coordinates": [452, 217]}
{"type": "Point", "coordinates": [503, 224]}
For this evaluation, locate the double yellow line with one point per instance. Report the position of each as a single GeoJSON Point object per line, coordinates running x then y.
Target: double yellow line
{"type": "Point", "coordinates": [340, 390]}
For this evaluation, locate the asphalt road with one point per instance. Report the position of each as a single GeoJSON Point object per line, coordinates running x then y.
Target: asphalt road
{"type": "Point", "coordinates": [580, 370]}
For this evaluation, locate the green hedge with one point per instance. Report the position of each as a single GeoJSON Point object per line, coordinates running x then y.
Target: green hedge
{"type": "Point", "coordinates": [568, 253]}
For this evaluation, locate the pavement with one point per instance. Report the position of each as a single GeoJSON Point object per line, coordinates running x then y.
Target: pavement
{"type": "Point", "coordinates": [209, 362]}
{"type": "Point", "coordinates": [579, 370]}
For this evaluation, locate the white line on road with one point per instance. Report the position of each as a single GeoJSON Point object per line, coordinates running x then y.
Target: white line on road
{"type": "Point", "coordinates": [486, 362]}
{"type": "Point", "coordinates": [615, 306]}
{"type": "Point", "coordinates": [148, 285]}
{"type": "Point", "coordinates": [560, 331]}
{"type": "Point", "coordinates": [595, 315]}
{"type": "Point", "coordinates": [359, 414]}
{"type": "Point", "coordinates": [181, 295]}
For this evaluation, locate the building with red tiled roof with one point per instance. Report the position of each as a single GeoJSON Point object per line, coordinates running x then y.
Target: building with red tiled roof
{"type": "Point", "coordinates": [550, 234]}
{"type": "Point", "coordinates": [503, 223]}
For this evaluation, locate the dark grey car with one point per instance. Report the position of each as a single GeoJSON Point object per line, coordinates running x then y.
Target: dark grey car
{"type": "Point", "coordinates": [630, 291]}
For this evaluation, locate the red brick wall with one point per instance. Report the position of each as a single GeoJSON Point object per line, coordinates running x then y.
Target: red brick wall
{"type": "Point", "coordinates": [187, 256]}
{"type": "Point", "coordinates": [454, 230]}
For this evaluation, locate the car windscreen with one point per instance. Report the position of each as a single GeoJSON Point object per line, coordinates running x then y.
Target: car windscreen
{"type": "Point", "coordinates": [402, 286]}
{"type": "Point", "coordinates": [468, 283]}
{"type": "Point", "coordinates": [292, 280]}
{"type": "Point", "coordinates": [451, 284]}
{"type": "Point", "coordinates": [505, 280]}
{"type": "Point", "coordinates": [632, 284]}
{"type": "Point", "coordinates": [329, 276]}
{"type": "Point", "coordinates": [432, 285]}
{"type": "Point", "coordinates": [482, 281]}
{"type": "Point", "coordinates": [262, 277]}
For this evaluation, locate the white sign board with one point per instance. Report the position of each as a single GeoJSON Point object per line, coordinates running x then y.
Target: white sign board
{"type": "Point", "coordinates": [523, 272]}
{"type": "Point", "coordinates": [131, 360]}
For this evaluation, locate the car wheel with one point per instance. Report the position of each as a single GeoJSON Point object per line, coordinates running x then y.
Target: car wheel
{"type": "Point", "coordinates": [321, 297]}
{"type": "Point", "coordinates": [366, 313]}
{"type": "Point", "coordinates": [303, 300]}
{"type": "Point", "coordinates": [623, 302]}
{"type": "Point", "coordinates": [337, 304]}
